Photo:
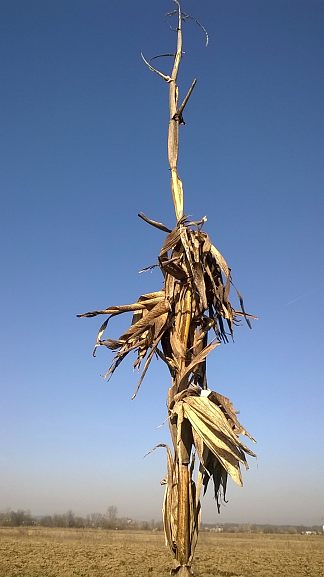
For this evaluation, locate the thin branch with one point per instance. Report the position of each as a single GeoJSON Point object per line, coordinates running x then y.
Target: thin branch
{"type": "Point", "coordinates": [179, 44]}
{"type": "Point", "coordinates": [172, 13]}
{"type": "Point", "coordinates": [188, 16]}
{"type": "Point", "coordinates": [158, 225]}
{"type": "Point", "coordinates": [185, 17]}
{"type": "Point", "coordinates": [178, 114]}
{"type": "Point", "coordinates": [148, 268]}
{"type": "Point", "coordinates": [161, 56]}
{"type": "Point", "coordinates": [198, 223]}
{"type": "Point", "coordinates": [164, 76]}
{"type": "Point", "coordinates": [173, 132]}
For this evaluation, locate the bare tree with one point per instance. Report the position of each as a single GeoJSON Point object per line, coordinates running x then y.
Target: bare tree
{"type": "Point", "coordinates": [112, 513]}
{"type": "Point", "coordinates": [174, 324]}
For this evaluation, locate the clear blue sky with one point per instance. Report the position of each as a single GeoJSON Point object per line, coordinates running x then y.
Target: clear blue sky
{"type": "Point", "coordinates": [83, 149]}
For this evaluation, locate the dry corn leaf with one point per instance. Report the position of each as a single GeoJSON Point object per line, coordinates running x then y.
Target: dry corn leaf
{"type": "Point", "coordinates": [211, 427]}
{"type": "Point", "coordinates": [227, 407]}
{"type": "Point", "coordinates": [196, 360]}
{"type": "Point", "coordinates": [147, 321]}
{"type": "Point", "coordinates": [212, 414]}
{"type": "Point", "coordinates": [117, 310]}
{"type": "Point", "coordinates": [220, 261]}
{"type": "Point", "coordinates": [216, 471]}
{"type": "Point", "coordinates": [199, 283]}
{"type": "Point", "coordinates": [170, 242]}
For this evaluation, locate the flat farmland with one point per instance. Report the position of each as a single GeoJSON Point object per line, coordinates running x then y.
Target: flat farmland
{"type": "Point", "coordinates": [38, 552]}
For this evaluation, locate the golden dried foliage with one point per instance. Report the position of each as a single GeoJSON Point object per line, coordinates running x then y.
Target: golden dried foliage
{"type": "Point", "coordinates": [174, 323]}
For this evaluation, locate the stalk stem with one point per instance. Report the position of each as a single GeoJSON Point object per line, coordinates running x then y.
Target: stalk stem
{"type": "Point", "coordinates": [173, 132]}
{"type": "Point", "coordinates": [182, 439]}
{"type": "Point", "coordinates": [183, 544]}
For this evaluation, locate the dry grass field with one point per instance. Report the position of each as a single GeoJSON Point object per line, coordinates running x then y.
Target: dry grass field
{"type": "Point", "coordinates": [37, 552]}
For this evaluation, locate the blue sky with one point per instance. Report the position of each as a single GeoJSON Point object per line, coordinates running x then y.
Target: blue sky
{"type": "Point", "coordinates": [83, 148]}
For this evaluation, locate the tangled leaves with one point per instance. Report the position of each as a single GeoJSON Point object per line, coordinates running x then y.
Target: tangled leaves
{"type": "Point", "coordinates": [174, 324]}
{"type": "Point", "coordinates": [193, 271]}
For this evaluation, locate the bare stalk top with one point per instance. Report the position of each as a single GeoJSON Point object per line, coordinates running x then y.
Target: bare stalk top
{"type": "Point", "coordinates": [176, 111]}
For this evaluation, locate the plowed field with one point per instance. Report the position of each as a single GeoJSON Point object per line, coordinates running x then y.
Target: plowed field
{"type": "Point", "coordinates": [35, 552]}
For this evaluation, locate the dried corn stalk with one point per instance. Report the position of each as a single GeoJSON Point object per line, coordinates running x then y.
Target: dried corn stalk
{"type": "Point", "coordinates": [174, 323]}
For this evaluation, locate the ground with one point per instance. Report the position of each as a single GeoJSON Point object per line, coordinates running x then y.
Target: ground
{"type": "Point", "coordinates": [37, 552]}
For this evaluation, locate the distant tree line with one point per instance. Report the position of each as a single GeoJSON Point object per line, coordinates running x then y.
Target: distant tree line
{"type": "Point", "coordinates": [110, 520]}
{"type": "Point", "coordinates": [259, 528]}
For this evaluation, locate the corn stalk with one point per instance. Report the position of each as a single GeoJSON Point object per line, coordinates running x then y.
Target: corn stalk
{"type": "Point", "coordinates": [173, 324]}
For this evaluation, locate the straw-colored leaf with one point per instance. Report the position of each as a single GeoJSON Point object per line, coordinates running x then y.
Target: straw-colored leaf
{"type": "Point", "coordinates": [196, 360]}
{"type": "Point", "coordinates": [227, 407]}
{"type": "Point", "coordinates": [198, 277]}
{"type": "Point", "coordinates": [170, 242]}
{"type": "Point", "coordinates": [212, 428]}
{"type": "Point", "coordinates": [220, 260]}
{"type": "Point", "coordinates": [99, 335]}
{"type": "Point", "coordinates": [213, 415]}
{"type": "Point", "coordinates": [221, 449]}
{"type": "Point", "coordinates": [116, 310]}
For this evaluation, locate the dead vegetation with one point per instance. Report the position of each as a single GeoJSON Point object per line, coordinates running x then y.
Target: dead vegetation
{"type": "Point", "coordinates": [175, 324]}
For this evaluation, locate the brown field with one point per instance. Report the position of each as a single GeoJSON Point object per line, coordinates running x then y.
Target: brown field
{"type": "Point", "coordinates": [37, 552]}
